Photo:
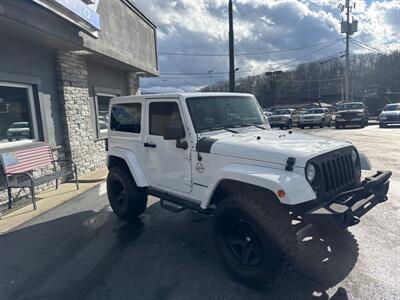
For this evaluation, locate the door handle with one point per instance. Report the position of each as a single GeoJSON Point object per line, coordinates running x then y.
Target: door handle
{"type": "Point", "coordinates": [150, 145]}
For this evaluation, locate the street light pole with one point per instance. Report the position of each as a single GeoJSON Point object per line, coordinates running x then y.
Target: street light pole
{"type": "Point", "coordinates": [231, 50]}
{"type": "Point", "coordinates": [210, 73]}
{"type": "Point", "coordinates": [347, 71]}
{"type": "Point", "coordinates": [165, 85]}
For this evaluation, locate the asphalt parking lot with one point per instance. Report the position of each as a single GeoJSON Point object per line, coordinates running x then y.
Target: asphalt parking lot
{"type": "Point", "coordinates": [80, 250]}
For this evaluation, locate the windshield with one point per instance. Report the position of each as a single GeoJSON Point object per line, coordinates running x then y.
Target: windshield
{"type": "Point", "coordinates": [392, 107]}
{"type": "Point", "coordinates": [212, 113]}
{"type": "Point", "coordinates": [282, 112]}
{"type": "Point", "coordinates": [352, 106]}
{"type": "Point", "coordinates": [314, 111]}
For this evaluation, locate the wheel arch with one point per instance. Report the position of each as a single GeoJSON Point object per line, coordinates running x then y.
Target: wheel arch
{"type": "Point", "coordinates": [127, 159]}
{"type": "Point", "coordinates": [228, 187]}
{"type": "Point", "coordinates": [241, 178]}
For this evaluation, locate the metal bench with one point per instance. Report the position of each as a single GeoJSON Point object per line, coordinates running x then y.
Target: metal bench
{"type": "Point", "coordinates": [19, 167]}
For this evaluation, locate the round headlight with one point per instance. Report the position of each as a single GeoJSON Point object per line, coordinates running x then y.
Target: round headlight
{"type": "Point", "coordinates": [311, 172]}
{"type": "Point", "coordinates": [354, 155]}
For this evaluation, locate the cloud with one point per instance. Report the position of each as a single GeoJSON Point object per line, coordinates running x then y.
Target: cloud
{"type": "Point", "coordinates": [200, 26]}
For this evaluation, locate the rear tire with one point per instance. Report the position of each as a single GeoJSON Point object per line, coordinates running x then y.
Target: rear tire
{"type": "Point", "coordinates": [127, 200]}
{"type": "Point", "coordinates": [255, 239]}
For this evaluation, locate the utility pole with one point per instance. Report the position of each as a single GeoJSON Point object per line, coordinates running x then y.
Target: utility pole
{"type": "Point", "coordinates": [231, 50]}
{"type": "Point", "coordinates": [349, 28]}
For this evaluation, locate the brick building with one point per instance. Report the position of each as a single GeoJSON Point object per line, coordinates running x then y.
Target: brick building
{"type": "Point", "coordinates": [60, 64]}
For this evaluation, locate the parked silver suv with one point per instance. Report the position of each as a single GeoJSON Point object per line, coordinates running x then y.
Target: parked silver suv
{"type": "Point", "coordinates": [284, 118]}
{"type": "Point", "coordinates": [390, 115]}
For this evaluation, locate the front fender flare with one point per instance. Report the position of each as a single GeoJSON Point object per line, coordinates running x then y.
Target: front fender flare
{"type": "Point", "coordinates": [296, 187]}
{"type": "Point", "coordinates": [364, 161]}
{"type": "Point", "coordinates": [132, 162]}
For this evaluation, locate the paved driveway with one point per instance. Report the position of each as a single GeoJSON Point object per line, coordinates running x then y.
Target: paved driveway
{"type": "Point", "coordinates": [80, 250]}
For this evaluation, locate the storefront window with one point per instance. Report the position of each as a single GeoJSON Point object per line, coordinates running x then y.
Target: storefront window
{"type": "Point", "coordinates": [17, 115]}
{"type": "Point", "coordinates": [103, 103]}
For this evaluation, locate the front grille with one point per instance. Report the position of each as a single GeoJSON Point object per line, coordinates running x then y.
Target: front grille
{"type": "Point", "coordinates": [338, 173]}
{"type": "Point", "coordinates": [348, 115]}
{"type": "Point", "coordinates": [393, 118]}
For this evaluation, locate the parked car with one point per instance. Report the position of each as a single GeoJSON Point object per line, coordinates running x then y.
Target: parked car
{"type": "Point", "coordinates": [284, 118]}
{"type": "Point", "coordinates": [19, 130]}
{"type": "Point", "coordinates": [253, 181]}
{"type": "Point", "coordinates": [390, 115]}
{"type": "Point", "coordinates": [353, 113]}
{"type": "Point", "coordinates": [316, 117]}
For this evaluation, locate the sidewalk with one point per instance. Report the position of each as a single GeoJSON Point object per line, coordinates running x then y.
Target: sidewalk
{"type": "Point", "coordinates": [49, 199]}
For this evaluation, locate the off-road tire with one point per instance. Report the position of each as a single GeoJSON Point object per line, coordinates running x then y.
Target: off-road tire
{"type": "Point", "coordinates": [127, 200]}
{"type": "Point", "coordinates": [272, 228]}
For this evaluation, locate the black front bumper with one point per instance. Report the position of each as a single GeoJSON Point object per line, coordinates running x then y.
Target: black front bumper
{"type": "Point", "coordinates": [348, 207]}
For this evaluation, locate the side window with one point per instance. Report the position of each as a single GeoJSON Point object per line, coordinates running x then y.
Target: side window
{"type": "Point", "coordinates": [163, 114]}
{"type": "Point", "coordinates": [126, 117]}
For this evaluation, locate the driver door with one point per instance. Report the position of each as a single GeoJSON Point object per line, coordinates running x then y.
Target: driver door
{"type": "Point", "coordinates": [168, 167]}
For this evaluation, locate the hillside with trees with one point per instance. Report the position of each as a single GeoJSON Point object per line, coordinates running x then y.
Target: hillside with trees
{"type": "Point", "coordinates": [375, 79]}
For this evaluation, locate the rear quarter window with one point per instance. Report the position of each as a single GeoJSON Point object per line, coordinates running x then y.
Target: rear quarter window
{"type": "Point", "coordinates": [126, 117]}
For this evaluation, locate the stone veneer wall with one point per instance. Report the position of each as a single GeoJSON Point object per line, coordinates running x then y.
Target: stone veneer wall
{"type": "Point", "coordinates": [75, 110]}
{"type": "Point", "coordinates": [75, 113]}
{"type": "Point", "coordinates": [132, 84]}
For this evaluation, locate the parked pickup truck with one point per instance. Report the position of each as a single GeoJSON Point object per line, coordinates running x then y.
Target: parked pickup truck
{"type": "Point", "coordinates": [214, 154]}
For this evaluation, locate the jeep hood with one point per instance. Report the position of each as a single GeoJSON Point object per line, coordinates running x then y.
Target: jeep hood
{"type": "Point", "coordinates": [271, 146]}
{"type": "Point", "coordinates": [390, 113]}
{"type": "Point", "coordinates": [351, 110]}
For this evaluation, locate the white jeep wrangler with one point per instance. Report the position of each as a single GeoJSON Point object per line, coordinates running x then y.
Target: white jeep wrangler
{"type": "Point", "coordinates": [213, 153]}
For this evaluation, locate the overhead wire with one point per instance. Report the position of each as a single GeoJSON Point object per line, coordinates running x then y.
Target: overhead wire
{"type": "Point", "coordinates": [245, 53]}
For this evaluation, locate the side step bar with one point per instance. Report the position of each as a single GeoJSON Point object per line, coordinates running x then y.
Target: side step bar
{"type": "Point", "coordinates": [176, 204]}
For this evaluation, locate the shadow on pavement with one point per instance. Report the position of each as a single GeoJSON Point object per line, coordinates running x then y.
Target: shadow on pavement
{"type": "Point", "coordinates": [159, 256]}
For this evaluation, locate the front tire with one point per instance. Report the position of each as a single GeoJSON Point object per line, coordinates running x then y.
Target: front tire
{"type": "Point", "coordinates": [127, 200]}
{"type": "Point", "coordinates": [255, 239]}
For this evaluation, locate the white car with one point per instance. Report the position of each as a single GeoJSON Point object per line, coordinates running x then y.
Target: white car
{"type": "Point", "coordinates": [19, 130]}
{"type": "Point", "coordinates": [284, 118]}
{"type": "Point", "coordinates": [315, 117]}
{"type": "Point", "coordinates": [213, 153]}
{"type": "Point", "coordinates": [390, 115]}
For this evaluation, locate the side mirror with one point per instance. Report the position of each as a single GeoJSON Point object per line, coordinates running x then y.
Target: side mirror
{"type": "Point", "coordinates": [174, 132]}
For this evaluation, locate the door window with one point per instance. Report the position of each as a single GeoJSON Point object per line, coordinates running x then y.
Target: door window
{"type": "Point", "coordinates": [163, 114]}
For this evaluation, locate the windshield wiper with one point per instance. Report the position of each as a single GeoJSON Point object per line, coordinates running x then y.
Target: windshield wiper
{"type": "Point", "coordinates": [248, 125]}
{"type": "Point", "coordinates": [220, 128]}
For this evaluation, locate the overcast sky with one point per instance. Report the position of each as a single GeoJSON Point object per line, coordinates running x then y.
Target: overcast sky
{"type": "Point", "coordinates": [201, 27]}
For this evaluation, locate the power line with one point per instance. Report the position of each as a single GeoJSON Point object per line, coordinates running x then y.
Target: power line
{"type": "Point", "coordinates": [223, 73]}
{"type": "Point", "coordinates": [309, 54]}
{"type": "Point", "coordinates": [245, 53]}
{"type": "Point", "coordinates": [367, 47]}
